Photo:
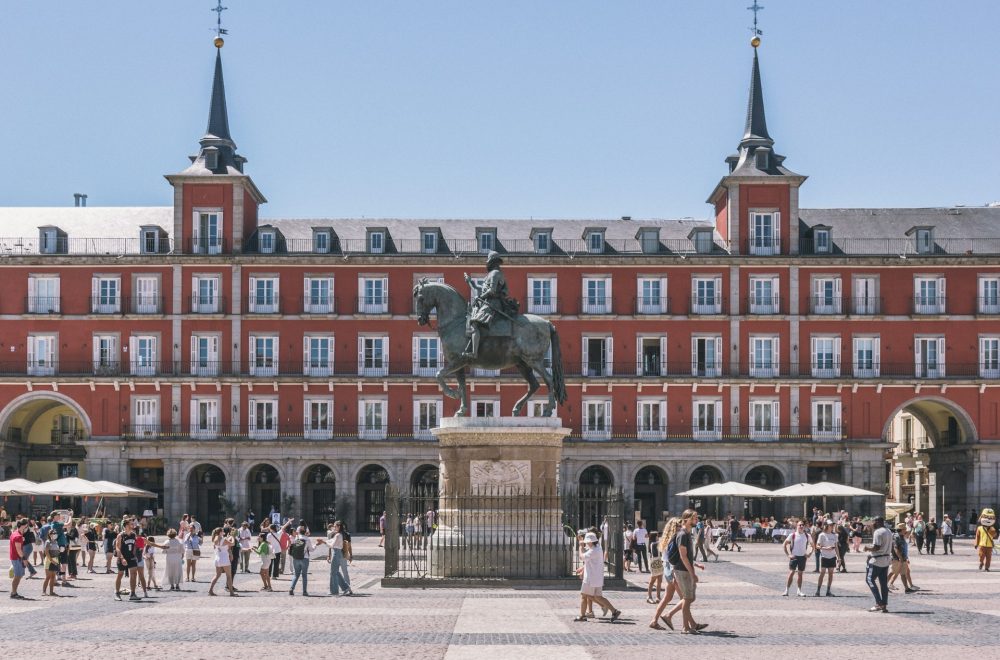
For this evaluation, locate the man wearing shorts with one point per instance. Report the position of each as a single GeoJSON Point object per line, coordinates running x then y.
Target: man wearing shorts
{"type": "Point", "coordinates": [17, 557]}
{"type": "Point", "coordinates": [879, 559]}
{"type": "Point", "coordinates": [827, 545]}
{"type": "Point", "coordinates": [681, 557]}
{"type": "Point", "coordinates": [797, 546]}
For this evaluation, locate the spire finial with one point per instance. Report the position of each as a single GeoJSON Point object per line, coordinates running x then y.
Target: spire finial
{"type": "Point", "coordinates": [219, 30]}
{"type": "Point", "coordinates": [755, 31]}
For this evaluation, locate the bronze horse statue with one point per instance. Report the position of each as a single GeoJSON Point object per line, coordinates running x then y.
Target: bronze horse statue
{"type": "Point", "coordinates": [525, 348]}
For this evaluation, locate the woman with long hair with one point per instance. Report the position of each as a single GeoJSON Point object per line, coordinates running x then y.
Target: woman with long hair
{"type": "Point", "coordinates": [669, 531]}
{"type": "Point", "coordinates": [222, 541]}
{"type": "Point", "coordinates": [337, 562]}
{"type": "Point", "coordinates": [192, 552]}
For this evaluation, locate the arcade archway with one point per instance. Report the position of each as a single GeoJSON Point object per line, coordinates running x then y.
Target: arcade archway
{"type": "Point", "coordinates": [206, 482]}
{"type": "Point", "coordinates": [767, 477]}
{"type": "Point", "coordinates": [703, 476]}
{"type": "Point", "coordinates": [319, 497]}
{"type": "Point", "coordinates": [264, 491]}
{"type": "Point", "coordinates": [371, 484]}
{"type": "Point", "coordinates": [650, 488]}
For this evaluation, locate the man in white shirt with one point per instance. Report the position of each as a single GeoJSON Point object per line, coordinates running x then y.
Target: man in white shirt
{"type": "Point", "coordinates": [947, 531]}
{"type": "Point", "coordinates": [798, 546]}
{"type": "Point", "coordinates": [826, 546]}
{"type": "Point", "coordinates": [641, 536]}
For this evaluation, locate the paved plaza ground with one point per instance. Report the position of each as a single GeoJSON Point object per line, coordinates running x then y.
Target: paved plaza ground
{"type": "Point", "coordinates": [957, 612]}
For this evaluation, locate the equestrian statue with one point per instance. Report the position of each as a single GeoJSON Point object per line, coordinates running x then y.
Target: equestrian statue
{"type": "Point", "coordinates": [490, 333]}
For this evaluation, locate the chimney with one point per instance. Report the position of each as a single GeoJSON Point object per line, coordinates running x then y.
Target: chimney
{"type": "Point", "coordinates": [79, 199]}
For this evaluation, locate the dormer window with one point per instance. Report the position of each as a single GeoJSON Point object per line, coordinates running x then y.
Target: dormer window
{"type": "Point", "coordinates": [49, 240]}
{"type": "Point", "coordinates": [149, 240]}
{"type": "Point", "coordinates": [543, 242]}
{"type": "Point", "coordinates": [761, 160]}
{"type": "Point", "coordinates": [321, 241]}
{"type": "Point", "coordinates": [211, 158]}
{"type": "Point", "coordinates": [703, 241]}
{"type": "Point", "coordinates": [487, 239]}
{"type": "Point", "coordinates": [429, 242]}
{"type": "Point", "coordinates": [376, 242]}
{"type": "Point", "coordinates": [595, 242]}
{"type": "Point", "coordinates": [266, 242]}
{"type": "Point", "coordinates": [925, 241]}
{"type": "Point", "coordinates": [649, 240]}
{"type": "Point", "coordinates": [821, 241]}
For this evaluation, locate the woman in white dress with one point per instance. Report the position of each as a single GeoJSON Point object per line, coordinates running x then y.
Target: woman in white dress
{"type": "Point", "coordinates": [173, 552]}
{"type": "Point", "coordinates": [222, 542]}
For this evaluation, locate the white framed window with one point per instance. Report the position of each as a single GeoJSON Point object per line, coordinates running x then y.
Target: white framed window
{"type": "Point", "coordinates": [429, 242]}
{"type": "Point", "coordinates": [376, 242]}
{"type": "Point", "coordinates": [144, 359]}
{"type": "Point", "coordinates": [205, 294]}
{"type": "Point", "coordinates": [106, 355]}
{"type": "Point", "coordinates": [206, 234]}
{"type": "Point", "coordinates": [536, 407]}
{"type": "Point", "coordinates": [764, 295]}
{"type": "Point", "coordinates": [826, 419]}
{"type": "Point", "coordinates": [867, 361]}
{"type": "Point", "coordinates": [821, 241]}
{"type": "Point", "coordinates": [866, 298]}
{"type": "Point", "coordinates": [764, 233]}
{"type": "Point", "coordinates": [928, 295]}
{"type": "Point", "coordinates": [487, 240]}
{"type": "Point", "coordinates": [205, 355]}
{"type": "Point", "coordinates": [596, 295]}
{"type": "Point", "coordinates": [145, 416]}
{"type": "Point", "coordinates": [651, 355]}
{"type": "Point", "coordinates": [827, 295]}
{"type": "Point", "coordinates": [704, 241]}
{"type": "Point", "coordinates": [321, 242]}
{"type": "Point", "coordinates": [543, 242]}
{"type": "Point", "coordinates": [317, 422]}
{"type": "Point", "coordinates": [764, 419]}
{"type": "Point", "coordinates": [42, 355]}
{"type": "Point", "coordinates": [317, 355]}
{"type": "Point", "coordinates": [373, 295]}
{"type": "Point", "coordinates": [925, 241]}
{"type": "Point", "coordinates": [707, 421]}
{"type": "Point", "coordinates": [147, 295]}
{"type": "Point", "coordinates": [43, 294]}
{"type": "Point", "coordinates": [317, 295]}
{"type": "Point", "coordinates": [373, 356]}
{"type": "Point", "coordinates": [263, 420]}
{"type": "Point", "coordinates": [598, 356]}
{"type": "Point", "coordinates": [764, 356]}
{"type": "Point", "coordinates": [204, 417]}
{"type": "Point", "coordinates": [264, 295]}
{"type": "Point", "coordinates": [651, 419]}
{"type": "Point", "coordinates": [426, 355]}
{"type": "Point", "coordinates": [651, 295]}
{"type": "Point", "coordinates": [706, 355]}
{"type": "Point", "coordinates": [595, 242]}
{"type": "Point", "coordinates": [989, 357]}
{"type": "Point", "coordinates": [597, 419]}
{"type": "Point", "coordinates": [989, 294]}
{"type": "Point", "coordinates": [541, 295]}
{"type": "Point", "coordinates": [928, 355]}
{"type": "Point", "coordinates": [263, 355]}
{"type": "Point", "coordinates": [265, 242]}
{"type": "Point", "coordinates": [825, 351]}
{"type": "Point", "coordinates": [371, 419]}
{"type": "Point", "coordinates": [485, 407]}
{"type": "Point", "coordinates": [426, 416]}
{"type": "Point", "coordinates": [706, 295]}
{"type": "Point", "coordinates": [105, 295]}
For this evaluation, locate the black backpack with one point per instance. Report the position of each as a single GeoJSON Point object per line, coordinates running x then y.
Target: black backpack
{"type": "Point", "coordinates": [673, 554]}
{"type": "Point", "coordinates": [297, 549]}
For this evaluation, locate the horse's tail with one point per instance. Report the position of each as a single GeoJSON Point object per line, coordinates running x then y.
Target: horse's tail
{"type": "Point", "coordinates": [558, 379]}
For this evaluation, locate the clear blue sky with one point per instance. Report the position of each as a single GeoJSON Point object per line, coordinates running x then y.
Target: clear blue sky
{"type": "Point", "coordinates": [512, 108]}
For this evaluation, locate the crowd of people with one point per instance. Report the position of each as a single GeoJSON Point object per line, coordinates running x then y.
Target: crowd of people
{"type": "Point", "coordinates": [61, 545]}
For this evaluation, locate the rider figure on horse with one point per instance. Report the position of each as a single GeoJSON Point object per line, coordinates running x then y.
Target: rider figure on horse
{"type": "Point", "coordinates": [491, 299]}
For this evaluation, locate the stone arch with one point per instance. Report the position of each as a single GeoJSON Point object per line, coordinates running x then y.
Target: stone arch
{"type": "Point", "coordinates": [264, 481]}
{"type": "Point", "coordinates": [203, 496]}
{"type": "Point", "coordinates": [592, 464]}
{"type": "Point", "coordinates": [755, 466]}
{"type": "Point", "coordinates": [187, 470]}
{"type": "Point", "coordinates": [913, 406]}
{"type": "Point", "coordinates": [369, 491]}
{"type": "Point", "coordinates": [650, 483]}
{"type": "Point", "coordinates": [700, 465]}
{"type": "Point", "coordinates": [308, 465]}
{"type": "Point", "coordinates": [764, 507]}
{"type": "Point", "coordinates": [318, 501]}
{"type": "Point", "coordinates": [32, 397]}
{"type": "Point", "coordinates": [426, 474]}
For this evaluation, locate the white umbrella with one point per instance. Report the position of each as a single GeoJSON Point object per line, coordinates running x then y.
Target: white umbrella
{"type": "Point", "coordinates": [16, 487]}
{"type": "Point", "coordinates": [893, 509]}
{"type": "Point", "coordinates": [822, 489]}
{"type": "Point", "coordinates": [127, 491]}
{"type": "Point", "coordinates": [77, 487]}
{"type": "Point", "coordinates": [728, 489]}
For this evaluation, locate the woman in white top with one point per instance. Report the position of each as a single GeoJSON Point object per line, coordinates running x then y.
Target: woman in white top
{"type": "Point", "coordinates": [245, 535]}
{"type": "Point", "coordinates": [592, 571]}
{"type": "Point", "coordinates": [222, 542]}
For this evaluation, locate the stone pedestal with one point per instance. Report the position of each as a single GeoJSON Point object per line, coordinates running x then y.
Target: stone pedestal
{"type": "Point", "coordinates": [499, 511]}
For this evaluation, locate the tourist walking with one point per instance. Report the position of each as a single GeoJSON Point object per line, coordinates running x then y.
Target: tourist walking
{"type": "Point", "coordinates": [274, 538]}
{"type": "Point", "coordinates": [947, 532]}
{"type": "Point", "coordinates": [173, 558]}
{"type": "Point", "coordinates": [149, 562]}
{"type": "Point", "coordinates": [50, 555]}
{"type": "Point", "coordinates": [879, 559]}
{"type": "Point", "coordinates": [17, 556]}
{"type": "Point", "coordinates": [245, 537]}
{"type": "Point", "coordinates": [30, 545]}
{"type": "Point", "coordinates": [930, 536]}
{"type": "Point", "coordinates": [592, 570]}
{"type": "Point", "coordinates": [900, 566]}
{"type": "Point", "coordinates": [222, 542]}
{"type": "Point", "coordinates": [128, 562]}
{"type": "Point", "coordinates": [192, 553]}
{"type": "Point", "coordinates": [918, 532]}
{"type": "Point", "coordinates": [708, 540]}
{"type": "Point", "coordinates": [827, 546]}
{"type": "Point", "coordinates": [669, 532]}
{"type": "Point", "coordinates": [628, 545]}
{"type": "Point", "coordinates": [797, 546]}
{"type": "Point", "coordinates": [336, 559]}
{"type": "Point", "coordinates": [641, 537]}
{"type": "Point", "coordinates": [90, 533]}
{"type": "Point", "coordinates": [680, 554]}
{"type": "Point", "coordinates": [381, 530]}
{"type": "Point", "coordinates": [843, 536]}
{"type": "Point", "coordinates": [734, 533]}
{"type": "Point", "coordinates": [108, 536]}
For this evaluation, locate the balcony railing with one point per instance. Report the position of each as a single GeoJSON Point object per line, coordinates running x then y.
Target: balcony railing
{"type": "Point", "coordinates": [826, 305]}
{"type": "Point", "coordinates": [764, 305]}
{"type": "Point", "coordinates": [929, 304]}
{"type": "Point", "coordinates": [902, 246]}
{"type": "Point", "coordinates": [208, 304]}
{"type": "Point", "coordinates": [988, 305]}
{"type": "Point", "coordinates": [685, 433]}
{"type": "Point", "coordinates": [42, 304]}
{"type": "Point", "coordinates": [866, 305]}
{"type": "Point", "coordinates": [706, 305]}
{"type": "Point", "coordinates": [62, 246]}
{"type": "Point", "coordinates": [546, 305]}
{"type": "Point", "coordinates": [105, 305]}
{"type": "Point", "coordinates": [651, 305]}
{"type": "Point", "coordinates": [319, 305]}
{"type": "Point", "coordinates": [207, 245]}
{"type": "Point", "coordinates": [280, 432]}
{"type": "Point", "coordinates": [595, 304]}
{"type": "Point", "coordinates": [372, 305]}
{"type": "Point", "coordinates": [264, 305]}
{"type": "Point", "coordinates": [144, 304]}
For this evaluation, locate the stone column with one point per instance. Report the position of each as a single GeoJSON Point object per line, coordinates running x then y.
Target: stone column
{"type": "Point", "coordinates": [918, 500]}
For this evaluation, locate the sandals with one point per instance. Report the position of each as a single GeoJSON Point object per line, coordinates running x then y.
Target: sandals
{"type": "Point", "coordinates": [580, 619]}
{"type": "Point", "coordinates": [668, 622]}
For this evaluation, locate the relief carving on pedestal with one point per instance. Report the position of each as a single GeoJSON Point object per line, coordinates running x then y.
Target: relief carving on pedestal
{"type": "Point", "coordinates": [511, 476]}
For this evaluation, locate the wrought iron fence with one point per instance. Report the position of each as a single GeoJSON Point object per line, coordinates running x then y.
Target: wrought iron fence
{"type": "Point", "coordinates": [497, 534]}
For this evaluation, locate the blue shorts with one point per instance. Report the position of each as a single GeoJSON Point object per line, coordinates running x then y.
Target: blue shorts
{"type": "Point", "coordinates": [18, 566]}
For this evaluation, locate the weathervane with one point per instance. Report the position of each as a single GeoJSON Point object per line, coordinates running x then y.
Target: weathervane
{"type": "Point", "coordinates": [219, 30]}
{"type": "Point", "coordinates": [755, 41]}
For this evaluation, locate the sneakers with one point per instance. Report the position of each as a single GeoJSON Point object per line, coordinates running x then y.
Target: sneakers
{"type": "Point", "coordinates": [785, 592]}
{"type": "Point", "coordinates": [817, 592]}
{"type": "Point", "coordinates": [829, 593]}
{"type": "Point", "coordinates": [134, 597]}
{"type": "Point", "coordinates": [291, 592]}
{"type": "Point", "coordinates": [798, 592]}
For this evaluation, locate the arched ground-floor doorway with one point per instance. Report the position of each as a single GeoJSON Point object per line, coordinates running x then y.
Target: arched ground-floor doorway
{"type": "Point", "coordinates": [319, 497]}
{"type": "Point", "coordinates": [594, 488]}
{"type": "Point", "coordinates": [206, 484]}
{"type": "Point", "coordinates": [705, 475]}
{"type": "Point", "coordinates": [264, 491]}
{"type": "Point", "coordinates": [767, 477]}
{"type": "Point", "coordinates": [650, 495]}
{"type": "Point", "coordinates": [370, 491]}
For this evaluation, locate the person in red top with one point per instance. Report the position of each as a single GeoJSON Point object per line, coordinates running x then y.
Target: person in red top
{"type": "Point", "coordinates": [286, 540]}
{"type": "Point", "coordinates": [17, 559]}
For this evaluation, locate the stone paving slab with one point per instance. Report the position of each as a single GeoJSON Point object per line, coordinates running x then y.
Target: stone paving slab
{"type": "Point", "coordinates": [739, 597]}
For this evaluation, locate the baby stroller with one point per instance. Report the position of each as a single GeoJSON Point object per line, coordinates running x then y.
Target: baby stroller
{"type": "Point", "coordinates": [724, 540]}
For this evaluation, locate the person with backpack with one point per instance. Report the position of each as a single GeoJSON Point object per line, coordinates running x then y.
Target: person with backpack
{"type": "Point", "coordinates": [797, 546]}
{"type": "Point", "coordinates": [930, 536]}
{"type": "Point", "coordinates": [918, 532]}
{"type": "Point", "coordinates": [665, 545]}
{"type": "Point", "coordinates": [300, 550]}
{"type": "Point", "coordinates": [680, 554]}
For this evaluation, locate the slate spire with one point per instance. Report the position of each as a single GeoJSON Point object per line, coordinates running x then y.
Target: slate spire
{"type": "Point", "coordinates": [218, 151]}
{"type": "Point", "coordinates": [756, 126]}
{"type": "Point", "coordinates": [218, 116]}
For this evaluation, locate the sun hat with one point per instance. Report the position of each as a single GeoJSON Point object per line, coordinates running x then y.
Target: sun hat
{"type": "Point", "coordinates": [590, 537]}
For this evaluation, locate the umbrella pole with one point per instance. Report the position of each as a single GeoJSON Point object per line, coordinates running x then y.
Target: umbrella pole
{"type": "Point", "coordinates": [100, 500]}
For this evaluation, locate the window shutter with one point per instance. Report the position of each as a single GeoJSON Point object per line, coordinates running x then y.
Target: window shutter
{"type": "Point", "coordinates": [663, 356]}
{"type": "Point", "coordinates": [753, 417]}
{"type": "Point", "coordinates": [639, 357]}
{"type": "Point", "coordinates": [34, 306]}
{"type": "Point", "coordinates": [607, 416]}
{"type": "Point", "coordinates": [306, 292]}
{"type": "Point", "coordinates": [813, 362]}
{"type": "Point", "coordinates": [305, 355]}
{"type": "Point", "coordinates": [663, 417]}
{"type": "Point", "coordinates": [836, 356]}
{"type": "Point", "coordinates": [876, 356]}
{"type": "Point", "coordinates": [916, 357]}
{"type": "Point", "coordinates": [96, 350]}
{"type": "Point", "coordinates": [385, 353]}
{"type": "Point", "coordinates": [776, 356]}
{"type": "Point", "coordinates": [942, 298]}
{"type": "Point", "coordinates": [361, 292]}
{"type": "Point", "coordinates": [775, 293]}
{"type": "Point", "coordinates": [195, 231]}
{"type": "Point", "coordinates": [584, 341]}
{"type": "Point", "coordinates": [608, 295]}
{"type": "Point", "coordinates": [717, 302]}
{"type": "Point", "coordinates": [253, 294]}
{"type": "Point", "coordinates": [276, 300]}
{"type": "Point", "coordinates": [837, 423]}
{"type": "Point", "coordinates": [94, 293]}
{"type": "Point", "coordinates": [307, 415]}
{"type": "Point", "coordinates": [609, 343]}
{"type": "Point", "coordinates": [694, 356]}
{"type": "Point", "coordinates": [252, 352]}
{"type": "Point", "coordinates": [361, 354]}
{"type": "Point", "coordinates": [638, 295]}
{"type": "Point", "coordinates": [385, 298]}
{"type": "Point", "coordinates": [837, 295]}
{"type": "Point", "coordinates": [555, 294]}
{"type": "Point", "coordinates": [695, 416]}
{"type": "Point", "coordinates": [981, 306]}
{"type": "Point", "coordinates": [856, 354]}
{"type": "Point", "coordinates": [776, 219]}
{"type": "Point", "coordinates": [663, 295]}
{"type": "Point", "coordinates": [718, 354]}
{"type": "Point", "coordinates": [940, 344]}
{"type": "Point", "coordinates": [982, 357]}
{"type": "Point", "coordinates": [133, 357]}
{"type": "Point", "coordinates": [54, 304]}
{"type": "Point", "coordinates": [718, 416]}
{"type": "Point", "coordinates": [416, 415]}
{"type": "Point", "coordinates": [694, 292]}
{"type": "Point", "coordinates": [193, 416]}
{"type": "Point", "coordinates": [416, 353]}
{"type": "Point", "coordinates": [31, 351]}
{"type": "Point", "coordinates": [252, 421]}
{"type": "Point", "coordinates": [775, 416]}
{"type": "Point", "coordinates": [361, 415]}
{"type": "Point", "coordinates": [194, 354]}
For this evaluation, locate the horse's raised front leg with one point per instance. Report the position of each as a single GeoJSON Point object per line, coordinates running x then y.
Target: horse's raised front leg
{"type": "Point", "coordinates": [463, 410]}
{"type": "Point", "coordinates": [528, 374]}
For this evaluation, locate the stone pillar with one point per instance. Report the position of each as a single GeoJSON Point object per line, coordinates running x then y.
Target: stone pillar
{"type": "Point", "coordinates": [918, 500]}
{"type": "Point", "coordinates": [932, 497]}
